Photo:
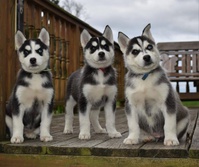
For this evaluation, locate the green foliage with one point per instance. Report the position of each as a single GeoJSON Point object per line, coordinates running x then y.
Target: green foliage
{"type": "Point", "coordinates": [191, 103]}
{"type": "Point", "coordinates": [59, 110]}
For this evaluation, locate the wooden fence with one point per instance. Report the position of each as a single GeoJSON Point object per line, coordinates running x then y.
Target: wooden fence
{"type": "Point", "coordinates": [181, 61]}
{"type": "Point", "coordinates": [65, 50]}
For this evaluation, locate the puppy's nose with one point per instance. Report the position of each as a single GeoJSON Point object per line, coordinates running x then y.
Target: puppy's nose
{"type": "Point", "coordinates": [101, 55]}
{"type": "Point", "coordinates": [147, 58]}
{"type": "Point", "coordinates": [33, 61]}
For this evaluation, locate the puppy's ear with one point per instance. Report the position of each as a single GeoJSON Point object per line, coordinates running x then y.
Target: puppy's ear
{"type": "Point", "coordinates": [123, 41]}
{"type": "Point", "coordinates": [108, 34]}
{"type": "Point", "coordinates": [44, 37]}
{"type": "Point", "coordinates": [147, 33]}
{"type": "Point", "coordinates": [84, 37]}
{"type": "Point", "coordinates": [19, 39]}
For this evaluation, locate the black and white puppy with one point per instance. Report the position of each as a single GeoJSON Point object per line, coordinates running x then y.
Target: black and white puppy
{"type": "Point", "coordinates": [29, 110]}
{"type": "Point", "coordinates": [93, 87]}
{"type": "Point", "coordinates": [152, 106]}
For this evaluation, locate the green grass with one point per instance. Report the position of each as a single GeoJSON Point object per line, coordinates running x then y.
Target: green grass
{"type": "Point", "coordinates": [191, 103]}
{"type": "Point", "coordinates": [59, 110]}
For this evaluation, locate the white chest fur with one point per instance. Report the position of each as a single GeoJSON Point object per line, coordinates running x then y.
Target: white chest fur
{"type": "Point", "coordinates": [94, 93]}
{"type": "Point", "coordinates": [147, 93]}
{"type": "Point", "coordinates": [35, 90]}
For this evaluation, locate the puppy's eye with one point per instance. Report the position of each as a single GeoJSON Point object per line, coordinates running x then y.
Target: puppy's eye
{"type": "Point", "coordinates": [106, 47]}
{"type": "Point", "coordinates": [135, 51]}
{"type": "Point", "coordinates": [149, 47]}
{"type": "Point", "coordinates": [39, 51]}
{"type": "Point", "coordinates": [92, 48]}
{"type": "Point", "coordinates": [26, 52]}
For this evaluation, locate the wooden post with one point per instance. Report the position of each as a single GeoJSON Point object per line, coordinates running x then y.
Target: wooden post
{"type": "Point", "coordinates": [7, 20]}
{"type": "Point", "coordinates": [20, 15]}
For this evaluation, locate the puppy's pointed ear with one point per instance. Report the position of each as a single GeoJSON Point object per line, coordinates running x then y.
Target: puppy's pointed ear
{"type": "Point", "coordinates": [44, 37]}
{"type": "Point", "coordinates": [123, 41]}
{"type": "Point", "coordinates": [19, 39]}
{"type": "Point", "coordinates": [84, 37]}
{"type": "Point", "coordinates": [108, 34]}
{"type": "Point", "coordinates": [147, 33]}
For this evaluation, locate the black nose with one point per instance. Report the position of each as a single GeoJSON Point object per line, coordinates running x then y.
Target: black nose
{"type": "Point", "coordinates": [101, 55]}
{"type": "Point", "coordinates": [33, 61]}
{"type": "Point", "coordinates": [147, 58]}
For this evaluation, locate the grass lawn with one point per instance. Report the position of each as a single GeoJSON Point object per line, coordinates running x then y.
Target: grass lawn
{"type": "Point", "coordinates": [191, 103]}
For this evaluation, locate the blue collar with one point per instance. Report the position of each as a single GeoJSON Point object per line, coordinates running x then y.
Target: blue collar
{"type": "Point", "coordinates": [145, 75]}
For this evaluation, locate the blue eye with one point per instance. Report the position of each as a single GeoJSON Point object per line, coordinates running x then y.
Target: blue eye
{"type": "Point", "coordinates": [39, 51]}
{"type": "Point", "coordinates": [149, 47]}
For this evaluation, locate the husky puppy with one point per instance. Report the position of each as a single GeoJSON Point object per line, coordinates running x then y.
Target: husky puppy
{"type": "Point", "coordinates": [29, 110]}
{"type": "Point", "coordinates": [93, 86]}
{"type": "Point", "coordinates": [152, 106]}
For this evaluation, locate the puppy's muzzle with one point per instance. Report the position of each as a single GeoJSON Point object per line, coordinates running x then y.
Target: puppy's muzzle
{"type": "Point", "coordinates": [101, 56]}
{"type": "Point", "coordinates": [147, 60]}
{"type": "Point", "coordinates": [33, 61]}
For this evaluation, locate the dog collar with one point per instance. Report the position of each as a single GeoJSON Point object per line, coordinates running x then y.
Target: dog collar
{"type": "Point", "coordinates": [102, 69]}
{"type": "Point", "coordinates": [45, 70]}
{"type": "Point", "coordinates": [145, 75]}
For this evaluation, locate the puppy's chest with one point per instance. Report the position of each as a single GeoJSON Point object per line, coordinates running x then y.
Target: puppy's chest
{"type": "Point", "coordinates": [35, 89]}
{"type": "Point", "coordinates": [100, 88]}
{"type": "Point", "coordinates": [139, 89]}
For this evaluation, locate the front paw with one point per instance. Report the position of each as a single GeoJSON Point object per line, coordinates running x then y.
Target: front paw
{"type": "Point", "coordinates": [46, 138]}
{"type": "Point", "coordinates": [31, 135]}
{"type": "Point", "coordinates": [131, 141]}
{"type": "Point", "coordinates": [84, 136]}
{"type": "Point", "coordinates": [171, 142]}
{"type": "Point", "coordinates": [115, 135]}
{"type": "Point", "coordinates": [17, 139]}
{"type": "Point", "coordinates": [146, 139]}
{"type": "Point", "coordinates": [68, 131]}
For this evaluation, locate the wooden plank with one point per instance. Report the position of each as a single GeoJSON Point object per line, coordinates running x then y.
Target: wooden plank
{"type": "Point", "coordinates": [192, 123]}
{"type": "Point", "coordinates": [194, 61]}
{"type": "Point", "coordinates": [194, 149]}
{"type": "Point", "coordinates": [158, 150]}
{"type": "Point", "coordinates": [8, 57]}
{"type": "Point", "coordinates": [189, 64]}
{"type": "Point", "coordinates": [100, 144]}
{"type": "Point", "coordinates": [115, 147]}
{"type": "Point", "coordinates": [180, 52]}
{"type": "Point", "coordinates": [189, 96]}
{"type": "Point", "coordinates": [192, 45]}
{"type": "Point", "coordinates": [183, 64]}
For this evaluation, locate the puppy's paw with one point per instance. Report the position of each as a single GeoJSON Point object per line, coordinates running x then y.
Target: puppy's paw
{"type": "Point", "coordinates": [171, 142]}
{"type": "Point", "coordinates": [31, 135]}
{"type": "Point", "coordinates": [131, 141]}
{"type": "Point", "coordinates": [115, 135]}
{"type": "Point", "coordinates": [46, 138]}
{"type": "Point", "coordinates": [17, 139]}
{"type": "Point", "coordinates": [84, 136]}
{"type": "Point", "coordinates": [146, 139]}
{"type": "Point", "coordinates": [68, 130]}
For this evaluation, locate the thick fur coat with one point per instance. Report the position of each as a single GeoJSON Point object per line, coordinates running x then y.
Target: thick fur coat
{"type": "Point", "coordinates": [93, 87]}
{"type": "Point", "coordinates": [29, 110]}
{"type": "Point", "coordinates": [153, 108]}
